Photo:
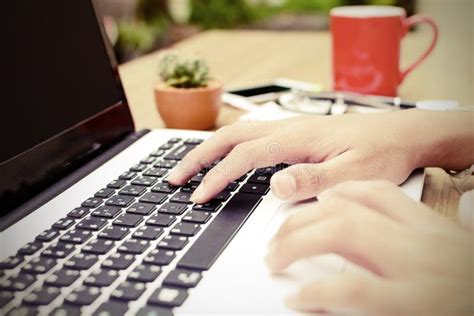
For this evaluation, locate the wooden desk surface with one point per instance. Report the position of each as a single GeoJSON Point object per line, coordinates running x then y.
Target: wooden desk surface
{"type": "Point", "coordinates": [241, 58]}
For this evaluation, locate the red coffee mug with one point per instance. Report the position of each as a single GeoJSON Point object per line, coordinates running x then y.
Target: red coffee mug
{"type": "Point", "coordinates": [366, 47]}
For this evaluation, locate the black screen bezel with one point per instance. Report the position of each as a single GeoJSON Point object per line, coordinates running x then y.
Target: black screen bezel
{"type": "Point", "coordinates": [65, 152]}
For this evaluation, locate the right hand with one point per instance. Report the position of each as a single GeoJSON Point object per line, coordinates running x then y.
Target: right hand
{"type": "Point", "coordinates": [323, 151]}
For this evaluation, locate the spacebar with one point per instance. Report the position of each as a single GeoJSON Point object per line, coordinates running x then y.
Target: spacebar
{"type": "Point", "coordinates": [220, 232]}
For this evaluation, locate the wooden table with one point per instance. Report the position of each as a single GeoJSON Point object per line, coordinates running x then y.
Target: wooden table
{"type": "Point", "coordinates": [241, 58]}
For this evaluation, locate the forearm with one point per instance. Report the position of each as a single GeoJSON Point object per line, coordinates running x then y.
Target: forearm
{"type": "Point", "coordinates": [443, 139]}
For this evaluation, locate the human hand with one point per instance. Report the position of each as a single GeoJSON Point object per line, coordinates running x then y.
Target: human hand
{"type": "Point", "coordinates": [414, 261]}
{"type": "Point", "coordinates": [324, 151]}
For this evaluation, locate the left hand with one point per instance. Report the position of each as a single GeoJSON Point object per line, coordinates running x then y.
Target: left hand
{"type": "Point", "coordinates": [416, 262]}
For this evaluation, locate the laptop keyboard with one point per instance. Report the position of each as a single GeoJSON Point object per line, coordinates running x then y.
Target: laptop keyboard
{"type": "Point", "coordinates": [139, 237]}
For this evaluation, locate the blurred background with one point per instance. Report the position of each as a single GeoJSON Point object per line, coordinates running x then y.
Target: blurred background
{"type": "Point", "coordinates": [136, 27]}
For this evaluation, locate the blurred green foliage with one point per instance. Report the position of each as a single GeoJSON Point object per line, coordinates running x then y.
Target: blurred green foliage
{"type": "Point", "coordinates": [139, 35]}
{"type": "Point", "coordinates": [304, 6]}
{"type": "Point", "coordinates": [182, 72]}
{"type": "Point", "coordinates": [227, 13]}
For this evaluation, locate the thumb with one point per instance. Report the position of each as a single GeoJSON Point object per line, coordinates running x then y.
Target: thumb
{"type": "Point", "coordinates": [304, 181]}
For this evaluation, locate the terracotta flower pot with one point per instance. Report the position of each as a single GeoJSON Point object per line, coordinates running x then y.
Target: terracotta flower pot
{"type": "Point", "coordinates": [194, 108]}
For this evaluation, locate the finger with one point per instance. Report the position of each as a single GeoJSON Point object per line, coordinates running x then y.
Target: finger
{"type": "Point", "coordinates": [354, 234]}
{"type": "Point", "coordinates": [349, 293]}
{"type": "Point", "coordinates": [262, 152]}
{"type": "Point", "coordinates": [387, 199]}
{"type": "Point", "coordinates": [313, 213]}
{"type": "Point", "coordinates": [304, 181]}
{"type": "Point", "coordinates": [218, 145]}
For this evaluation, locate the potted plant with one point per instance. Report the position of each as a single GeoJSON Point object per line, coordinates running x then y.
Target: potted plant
{"type": "Point", "coordinates": [187, 97]}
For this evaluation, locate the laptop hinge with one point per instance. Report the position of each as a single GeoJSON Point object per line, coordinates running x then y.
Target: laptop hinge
{"type": "Point", "coordinates": [69, 180]}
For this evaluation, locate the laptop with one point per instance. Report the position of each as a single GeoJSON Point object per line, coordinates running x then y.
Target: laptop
{"type": "Point", "coordinates": [89, 225]}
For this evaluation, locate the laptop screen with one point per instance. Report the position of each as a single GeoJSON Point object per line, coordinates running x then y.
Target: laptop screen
{"type": "Point", "coordinates": [63, 96]}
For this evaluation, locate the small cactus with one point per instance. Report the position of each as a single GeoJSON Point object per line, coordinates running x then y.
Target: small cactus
{"type": "Point", "coordinates": [186, 73]}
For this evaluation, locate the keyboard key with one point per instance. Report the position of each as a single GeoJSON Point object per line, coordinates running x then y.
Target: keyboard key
{"type": "Point", "coordinates": [133, 246]}
{"type": "Point", "coordinates": [161, 220]}
{"type": "Point", "coordinates": [141, 208]}
{"type": "Point", "coordinates": [185, 229]}
{"type": "Point", "coordinates": [154, 311]}
{"type": "Point", "coordinates": [222, 196]}
{"type": "Point", "coordinates": [128, 291]}
{"type": "Point", "coordinates": [78, 212]}
{"type": "Point", "coordinates": [152, 197]}
{"type": "Point", "coordinates": [164, 187]}
{"type": "Point", "coordinates": [179, 152]}
{"type": "Point", "coordinates": [59, 250]}
{"type": "Point", "coordinates": [193, 141]}
{"type": "Point", "coordinates": [114, 233]}
{"type": "Point", "coordinates": [260, 179]}
{"type": "Point", "coordinates": [11, 262]}
{"type": "Point", "coordinates": [66, 310]}
{"type": "Point", "coordinates": [197, 178]}
{"type": "Point", "coordinates": [116, 184]}
{"type": "Point", "coordinates": [106, 211]}
{"type": "Point", "coordinates": [148, 232]}
{"type": "Point", "coordinates": [196, 217]}
{"type": "Point", "coordinates": [120, 200]}
{"type": "Point", "coordinates": [157, 153]}
{"type": "Point", "coordinates": [260, 189]}
{"type": "Point", "coordinates": [182, 278]}
{"type": "Point", "coordinates": [214, 238]}
{"type": "Point", "coordinates": [42, 296]}
{"type": "Point", "coordinates": [81, 261]}
{"type": "Point", "coordinates": [128, 175]}
{"type": "Point", "coordinates": [189, 187]}
{"type": "Point", "coordinates": [76, 236]}
{"type": "Point", "coordinates": [148, 160]}
{"type": "Point", "coordinates": [232, 186]}
{"type": "Point", "coordinates": [211, 206]}
{"type": "Point", "coordinates": [173, 242]}
{"type": "Point", "coordinates": [28, 249]}
{"type": "Point", "coordinates": [48, 235]}
{"type": "Point", "coordinates": [181, 197]}
{"type": "Point", "coordinates": [128, 220]}
{"type": "Point", "coordinates": [99, 246]}
{"type": "Point", "coordinates": [174, 140]}
{"type": "Point", "coordinates": [92, 223]}
{"type": "Point", "coordinates": [167, 296]}
{"type": "Point", "coordinates": [104, 193]}
{"type": "Point", "coordinates": [5, 298]}
{"type": "Point", "coordinates": [144, 181]}
{"type": "Point", "coordinates": [92, 202]}
{"type": "Point", "coordinates": [144, 273]}
{"type": "Point", "coordinates": [39, 265]}
{"type": "Point", "coordinates": [62, 278]}
{"type": "Point", "coordinates": [118, 261]}
{"type": "Point", "coordinates": [111, 308]}
{"type": "Point", "coordinates": [18, 282]}
{"type": "Point", "coordinates": [172, 208]}
{"type": "Point", "coordinates": [155, 172]}
{"type": "Point", "coordinates": [159, 257]}
{"type": "Point", "coordinates": [138, 167]}
{"type": "Point", "coordinates": [167, 164]}
{"type": "Point", "coordinates": [83, 295]}
{"type": "Point", "coordinates": [63, 223]}
{"type": "Point", "coordinates": [133, 190]}
{"type": "Point", "coordinates": [166, 146]}
{"type": "Point", "coordinates": [24, 311]}
{"type": "Point", "coordinates": [101, 277]}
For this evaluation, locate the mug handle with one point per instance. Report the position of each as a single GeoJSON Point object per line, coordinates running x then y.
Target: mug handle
{"type": "Point", "coordinates": [407, 23]}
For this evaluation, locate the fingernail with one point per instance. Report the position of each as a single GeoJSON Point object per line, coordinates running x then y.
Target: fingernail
{"type": "Point", "coordinates": [325, 194]}
{"type": "Point", "coordinates": [283, 185]}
